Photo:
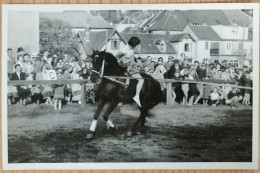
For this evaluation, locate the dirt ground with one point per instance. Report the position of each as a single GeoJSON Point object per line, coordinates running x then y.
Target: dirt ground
{"type": "Point", "coordinates": [39, 134]}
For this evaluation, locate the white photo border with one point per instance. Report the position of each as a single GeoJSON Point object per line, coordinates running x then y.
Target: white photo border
{"type": "Point", "coordinates": [138, 165]}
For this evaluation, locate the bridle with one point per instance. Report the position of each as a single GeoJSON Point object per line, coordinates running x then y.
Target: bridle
{"type": "Point", "coordinates": [101, 71]}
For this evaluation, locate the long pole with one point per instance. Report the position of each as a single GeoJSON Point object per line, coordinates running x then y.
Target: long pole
{"type": "Point", "coordinates": [242, 51]}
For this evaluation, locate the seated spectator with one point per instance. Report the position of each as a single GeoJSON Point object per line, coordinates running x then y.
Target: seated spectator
{"type": "Point", "coordinates": [234, 97]}
{"type": "Point", "coordinates": [23, 91]}
{"type": "Point", "coordinates": [47, 91]}
{"type": "Point", "coordinates": [214, 98]}
{"type": "Point", "coordinates": [12, 93]}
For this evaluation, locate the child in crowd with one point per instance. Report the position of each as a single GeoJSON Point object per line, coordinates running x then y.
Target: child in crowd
{"type": "Point", "coordinates": [214, 97]}
{"type": "Point", "coordinates": [58, 92]}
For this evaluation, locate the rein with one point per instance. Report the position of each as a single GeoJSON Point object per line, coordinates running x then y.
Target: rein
{"type": "Point", "coordinates": [101, 74]}
{"type": "Point", "coordinates": [101, 71]}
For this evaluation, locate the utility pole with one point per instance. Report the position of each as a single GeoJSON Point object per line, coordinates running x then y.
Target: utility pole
{"type": "Point", "coordinates": [242, 51]}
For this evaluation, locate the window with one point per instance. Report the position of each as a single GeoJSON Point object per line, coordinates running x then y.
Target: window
{"type": "Point", "coordinates": [115, 44]}
{"type": "Point", "coordinates": [228, 46]}
{"type": "Point", "coordinates": [233, 62]}
{"type": "Point", "coordinates": [186, 47]}
{"type": "Point", "coordinates": [206, 45]}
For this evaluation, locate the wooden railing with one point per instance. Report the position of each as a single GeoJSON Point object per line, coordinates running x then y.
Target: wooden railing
{"type": "Point", "coordinates": [226, 83]}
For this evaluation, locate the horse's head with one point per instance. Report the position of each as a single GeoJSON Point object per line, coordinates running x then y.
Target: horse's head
{"type": "Point", "coordinates": [98, 61]}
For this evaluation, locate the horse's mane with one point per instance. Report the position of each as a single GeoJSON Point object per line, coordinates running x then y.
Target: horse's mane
{"type": "Point", "coordinates": [112, 61]}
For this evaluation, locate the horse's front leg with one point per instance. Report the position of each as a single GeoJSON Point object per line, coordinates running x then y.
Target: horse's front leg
{"type": "Point", "coordinates": [112, 105]}
{"type": "Point", "coordinates": [93, 125]}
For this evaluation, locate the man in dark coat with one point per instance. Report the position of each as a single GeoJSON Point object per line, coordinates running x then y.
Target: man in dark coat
{"type": "Point", "coordinates": [23, 91]}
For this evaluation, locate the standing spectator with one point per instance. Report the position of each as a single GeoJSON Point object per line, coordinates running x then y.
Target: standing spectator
{"type": "Point", "coordinates": [49, 63]}
{"type": "Point", "coordinates": [76, 88]}
{"type": "Point", "coordinates": [247, 82]}
{"type": "Point", "coordinates": [139, 64]}
{"type": "Point", "coordinates": [37, 63]}
{"type": "Point", "coordinates": [19, 61]}
{"type": "Point", "coordinates": [10, 62]}
{"type": "Point", "coordinates": [45, 56]}
{"type": "Point", "coordinates": [202, 74]}
{"type": "Point", "coordinates": [84, 74]}
{"type": "Point", "coordinates": [160, 66]}
{"type": "Point", "coordinates": [214, 97]}
{"type": "Point", "coordinates": [67, 89]}
{"type": "Point", "coordinates": [192, 87]}
{"type": "Point", "coordinates": [58, 91]}
{"type": "Point", "coordinates": [23, 91]}
{"type": "Point", "coordinates": [169, 63]}
{"type": "Point", "coordinates": [20, 51]}
{"type": "Point", "coordinates": [185, 86]}
{"type": "Point", "coordinates": [174, 69]}
{"type": "Point", "coordinates": [28, 66]}
{"type": "Point", "coordinates": [185, 64]}
{"type": "Point", "coordinates": [47, 91]}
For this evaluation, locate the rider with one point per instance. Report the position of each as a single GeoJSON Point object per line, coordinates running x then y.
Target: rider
{"type": "Point", "coordinates": [126, 58]}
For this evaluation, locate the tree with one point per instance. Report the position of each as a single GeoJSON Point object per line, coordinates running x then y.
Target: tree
{"type": "Point", "coordinates": [57, 37]}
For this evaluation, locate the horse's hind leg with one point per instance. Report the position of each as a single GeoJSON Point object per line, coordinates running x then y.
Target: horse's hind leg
{"type": "Point", "coordinates": [112, 105]}
{"type": "Point", "coordinates": [135, 125]}
{"type": "Point", "coordinates": [93, 126]}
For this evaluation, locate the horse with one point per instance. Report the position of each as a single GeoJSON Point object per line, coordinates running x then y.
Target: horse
{"type": "Point", "coordinates": [113, 91]}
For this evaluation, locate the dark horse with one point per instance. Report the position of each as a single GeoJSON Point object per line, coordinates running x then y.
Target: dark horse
{"type": "Point", "coordinates": [112, 92]}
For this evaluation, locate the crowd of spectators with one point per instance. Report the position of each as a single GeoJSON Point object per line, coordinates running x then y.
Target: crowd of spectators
{"type": "Point", "coordinates": [193, 93]}
{"type": "Point", "coordinates": [35, 67]}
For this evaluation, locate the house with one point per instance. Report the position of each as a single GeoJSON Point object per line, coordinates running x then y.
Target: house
{"type": "Point", "coordinates": [112, 41]}
{"type": "Point", "coordinates": [175, 21]}
{"type": "Point", "coordinates": [183, 43]}
{"type": "Point", "coordinates": [221, 43]}
{"type": "Point", "coordinates": [79, 20]}
{"type": "Point", "coordinates": [154, 45]}
{"type": "Point", "coordinates": [126, 23]}
{"type": "Point", "coordinates": [206, 41]}
{"type": "Point", "coordinates": [109, 40]}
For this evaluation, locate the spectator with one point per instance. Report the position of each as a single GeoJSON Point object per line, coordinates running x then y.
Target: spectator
{"type": "Point", "coordinates": [192, 93]}
{"type": "Point", "coordinates": [58, 91]}
{"type": "Point", "coordinates": [45, 56]}
{"type": "Point", "coordinates": [37, 63]}
{"type": "Point", "coordinates": [185, 87]}
{"type": "Point", "coordinates": [169, 63]}
{"type": "Point", "coordinates": [76, 88]}
{"type": "Point", "coordinates": [10, 62]}
{"type": "Point", "coordinates": [28, 67]}
{"type": "Point", "coordinates": [185, 64]}
{"type": "Point", "coordinates": [49, 63]}
{"type": "Point", "coordinates": [176, 68]}
{"type": "Point", "coordinates": [19, 61]}
{"type": "Point", "coordinates": [214, 97]}
{"type": "Point", "coordinates": [139, 64]}
{"type": "Point", "coordinates": [226, 74]}
{"type": "Point", "coordinates": [201, 71]}
{"type": "Point", "coordinates": [67, 89]}
{"type": "Point", "coordinates": [12, 93]}
{"type": "Point", "coordinates": [84, 74]}
{"type": "Point", "coordinates": [247, 82]}
{"type": "Point", "coordinates": [234, 96]}
{"type": "Point", "coordinates": [23, 91]}
{"type": "Point", "coordinates": [20, 51]}
{"type": "Point", "coordinates": [47, 91]}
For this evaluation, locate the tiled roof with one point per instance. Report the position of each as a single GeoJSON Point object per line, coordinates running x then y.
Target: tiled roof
{"type": "Point", "coordinates": [147, 43]}
{"type": "Point", "coordinates": [238, 17]}
{"type": "Point", "coordinates": [177, 20]}
{"type": "Point", "coordinates": [179, 37]}
{"type": "Point", "coordinates": [78, 19]}
{"type": "Point", "coordinates": [96, 40]}
{"type": "Point", "coordinates": [128, 21]}
{"type": "Point", "coordinates": [205, 33]}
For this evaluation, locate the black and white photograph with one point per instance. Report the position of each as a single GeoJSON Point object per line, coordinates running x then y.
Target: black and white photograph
{"type": "Point", "coordinates": [173, 86]}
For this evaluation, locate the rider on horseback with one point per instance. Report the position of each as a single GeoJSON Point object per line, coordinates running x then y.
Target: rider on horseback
{"type": "Point", "coordinates": [126, 59]}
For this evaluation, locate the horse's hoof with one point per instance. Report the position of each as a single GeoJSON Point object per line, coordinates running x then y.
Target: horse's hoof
{"type": "Point", "coordinates": [90, 136]}
{"type": "Point", "coordinates": [129, 134]}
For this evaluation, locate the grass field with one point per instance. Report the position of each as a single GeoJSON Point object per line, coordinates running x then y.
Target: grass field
{"type": "Point", "coordinates": [39, 134]}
